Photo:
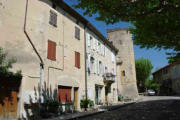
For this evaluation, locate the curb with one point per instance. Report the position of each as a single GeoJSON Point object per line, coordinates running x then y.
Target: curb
{"type": "Point", "coordinates": [84, 115]}
{"type": "Point", "coordinates": [111, 108]}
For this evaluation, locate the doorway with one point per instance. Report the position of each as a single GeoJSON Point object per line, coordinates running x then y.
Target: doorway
{"type": "Point", "coordinates": [75, 98]}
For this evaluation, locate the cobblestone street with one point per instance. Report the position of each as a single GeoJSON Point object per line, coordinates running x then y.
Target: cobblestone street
{"type": "Point", "coordinates": [152, 108]}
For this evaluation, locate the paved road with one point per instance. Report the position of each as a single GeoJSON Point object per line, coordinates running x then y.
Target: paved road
{"type": "Point", "coordinates": [151, 108]}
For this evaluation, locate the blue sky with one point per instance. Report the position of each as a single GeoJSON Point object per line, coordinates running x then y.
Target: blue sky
{"type": "Point", "coordinates": [158, 58]}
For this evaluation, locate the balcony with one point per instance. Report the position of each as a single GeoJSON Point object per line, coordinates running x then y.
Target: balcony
{"type": "Point", "coordinates": [109, 78]}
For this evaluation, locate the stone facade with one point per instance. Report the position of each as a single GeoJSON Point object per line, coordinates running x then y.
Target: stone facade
{"type": "Point", "coordinates": [100, 62]}
{"type": "Point", "coordinates": [126, 74]}
{"type": "Point", "coordinates": [169, 79]}
{"type": "Point", "coordinates": [55, 73]}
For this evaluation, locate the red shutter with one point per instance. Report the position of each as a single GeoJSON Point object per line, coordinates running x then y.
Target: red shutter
{"type": "Point", "coordinates": [51, 50]}
{"type": "Point", "coordinates": [77, 59]}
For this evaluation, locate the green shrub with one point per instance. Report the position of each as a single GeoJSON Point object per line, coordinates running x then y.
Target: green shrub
{"type": "Point", "coordinates": [86, 102]}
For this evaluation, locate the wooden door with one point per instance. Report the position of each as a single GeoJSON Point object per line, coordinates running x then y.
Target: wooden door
{"type": "Point", "coordinates": [64, 94]}
{"type": "Point", "coordinates": [8, 109]}
{"type": "Point", "coordinates": [75, 98]}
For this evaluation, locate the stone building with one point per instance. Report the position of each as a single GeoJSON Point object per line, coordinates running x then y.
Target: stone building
{"type": "Point", "coordinates": [126, 74]}
{"type": "Point", "coordinates": [101, 66]}
{"type": "Point", "coordinates": [169, 79]}
{"type": "Point", "coordinates": [48, 39]}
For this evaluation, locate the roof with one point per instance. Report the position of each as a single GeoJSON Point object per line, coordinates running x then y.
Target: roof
{"type": "Point", "coordinates": [76, 15]}
{"type": "Point", "coordinates": [116, 29]}
{"type": "Point", "coordinates": [169, 65]}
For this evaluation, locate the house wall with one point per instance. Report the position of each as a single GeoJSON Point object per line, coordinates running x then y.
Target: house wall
{"type": "Point", "coordinates": [93, 77]}
{"type": "Point", "coordinates": [122, 39]}
{"type": "Point", "coordinates": [171, 73]}
{"type": "Point", "coordinates": [14, 41]}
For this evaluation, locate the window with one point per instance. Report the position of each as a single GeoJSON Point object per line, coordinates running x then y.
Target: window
{"type": "Point", "coordinates": [104, 52]}
{"type": "Point", "coordinates": [113, 57]}
{"type": "Point", "coordinates": [53, 18]}
{"type": "Point", "coordinates": [51, 50]}
{"type": "Point", "coordinates": [88, 40]}
{"type": "Point", "coordinates": [77, 33]}
{"type": "Point", "coordinates": [98, 46]}
{"type": "Point", "coordinates": [106, 69]}
{"type": "Point", "coordinates": [91, 63]}
{"type": "Point", "coordinates": [123, 73]}
{"type": "Point", "coordinates": [77, 59]}
{"type": "Point", "coordinates": [100, 67]}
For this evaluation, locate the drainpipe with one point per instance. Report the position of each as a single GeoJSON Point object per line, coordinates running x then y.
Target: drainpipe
{"type": "Point", "coordinates": [85, 57]}
{"type": "Point", "coordinates": [41, 61]}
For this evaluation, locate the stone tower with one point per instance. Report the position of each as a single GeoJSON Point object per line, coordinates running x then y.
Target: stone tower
{"type": "Point", "coordinates": [126, 74]}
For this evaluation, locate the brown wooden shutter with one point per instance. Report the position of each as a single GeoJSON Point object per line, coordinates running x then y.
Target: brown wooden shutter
{"type": "Point", "coordinates": [77, 59]}
{"type": "Point", "coordinates": [51, 50]}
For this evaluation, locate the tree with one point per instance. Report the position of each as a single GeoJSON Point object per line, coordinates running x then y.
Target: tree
{"type": "Point", "coordinates": [156, 23]}
{"type": "Point", "coordinates": [152, 84]}
{"type": "Point", "coordinates": [143, 72]}
{"type": "Point", "coordinates": [6, 64]}
{"type": "Point", "coordinates": [6, 76]}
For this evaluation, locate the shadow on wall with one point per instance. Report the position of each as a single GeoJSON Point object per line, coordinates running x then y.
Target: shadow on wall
{"type": "Point", "coordinates": [48, 106]}
{"type": "Point", "coordinates": [43, 107]}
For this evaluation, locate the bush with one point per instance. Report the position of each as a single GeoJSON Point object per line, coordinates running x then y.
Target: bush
{"type": "Point", "coordinates": [49, 108]}
{"type": "Point", "coordinates": [120, 98]}
{"type": "Point", "coordinates": [91, 103]}
{"type": "Point", "coordinates": [86, 102]}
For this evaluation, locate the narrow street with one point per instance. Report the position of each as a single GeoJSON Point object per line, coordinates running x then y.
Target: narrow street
{"type": "Point", "coordinates": [151, 108]}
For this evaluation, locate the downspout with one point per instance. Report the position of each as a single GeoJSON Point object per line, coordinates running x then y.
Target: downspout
{"type": "Point", "coordinates": [41, 61]}
{"type": "Point", "coordinates": [85, 56]}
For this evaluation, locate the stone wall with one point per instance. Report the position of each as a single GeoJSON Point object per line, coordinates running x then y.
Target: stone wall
{"type": "Point", "coordinates": [126, 74]}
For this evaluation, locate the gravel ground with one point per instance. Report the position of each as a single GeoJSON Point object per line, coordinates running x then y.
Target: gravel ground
{"type": "Point", "coordinates": [151, 108]}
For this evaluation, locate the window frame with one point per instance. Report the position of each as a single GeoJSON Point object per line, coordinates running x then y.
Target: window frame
{"type": "Point", "coordinates": [53, 18]}
{"type": "Point", "coordinates": [77, 33]}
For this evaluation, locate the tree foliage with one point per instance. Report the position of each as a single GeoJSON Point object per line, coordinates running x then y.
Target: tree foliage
{"type": "Point", "coordinates": [152, 84]}
{"type": "Point", "coordinates": [6, 65]}
{"type": "Point", "coordinates": [8, 79]}
{"type": "Point", "coordinates": [156, 23]}
{"type": "Point", "coordinates": [143, 72]}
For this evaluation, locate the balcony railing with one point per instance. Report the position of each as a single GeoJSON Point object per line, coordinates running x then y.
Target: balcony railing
{"type": "Point", "coordinates": [109, 77]}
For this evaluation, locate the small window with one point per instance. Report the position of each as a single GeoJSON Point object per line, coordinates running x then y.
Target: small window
{"type": "Point", "coordinates": [77, 33]}
{"type": "Point", "coordinates": [123, 73]}
{"type": "Point", "coordinates": [53, 18]}
{"type": "Point", "coordinates": [77, 60]}
{"type": "Point", "coordinates": [51, 50]}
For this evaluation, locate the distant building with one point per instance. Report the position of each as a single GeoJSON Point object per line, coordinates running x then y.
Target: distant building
{"type": "Point", "coordinates": [126, 74]}
{"type": "Point", "coordinates": [169, 79]}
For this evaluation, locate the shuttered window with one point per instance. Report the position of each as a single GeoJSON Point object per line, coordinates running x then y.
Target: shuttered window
{"type": "Point", "coordinates": [77, 59]}
{"type": "Point", "coordinates": [53, 18]}
{"type": "Point", "coordinates": [77, 33]}
{"type": "Point", "coordinates": [51, 54]}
